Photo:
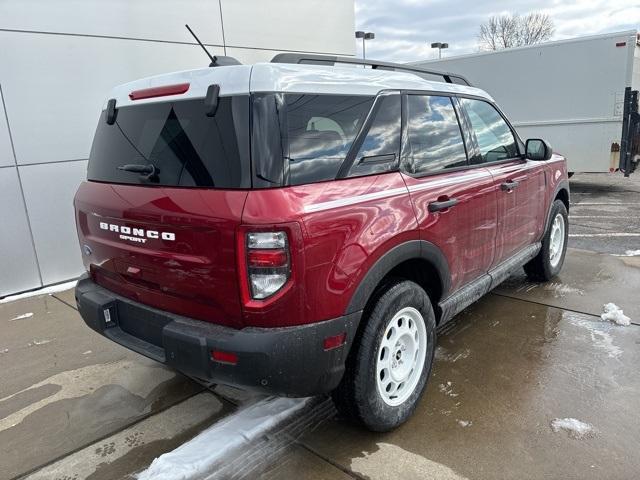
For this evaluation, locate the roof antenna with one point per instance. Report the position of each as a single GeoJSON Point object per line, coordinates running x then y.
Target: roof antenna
{"type": "Point", "coordinates": [214, 59]}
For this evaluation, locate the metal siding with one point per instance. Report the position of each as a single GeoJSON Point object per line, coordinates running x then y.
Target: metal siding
{"type": "Point", "coordinates": [48, 191]}
{"type": "Point", "coordinates": [18, 265]}
{"type": "Point", "coordinates": [149, 19]}
{"type": "Point", "coordinates": [6, 153]}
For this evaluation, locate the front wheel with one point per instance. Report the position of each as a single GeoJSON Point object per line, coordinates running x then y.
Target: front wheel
{"type": "Point", "coordinates": [391, 359]}
{"type": "Point", "coordinates": [548, 263]}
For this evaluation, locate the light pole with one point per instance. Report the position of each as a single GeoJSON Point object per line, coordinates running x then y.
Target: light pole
{"type": "Point", "coordinates": [439, 46]}
{"type": "Point", "coordinates": [365, 36]}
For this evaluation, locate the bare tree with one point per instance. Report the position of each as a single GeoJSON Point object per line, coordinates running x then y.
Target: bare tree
{"type": "Point", "coordinates": [508, 31]}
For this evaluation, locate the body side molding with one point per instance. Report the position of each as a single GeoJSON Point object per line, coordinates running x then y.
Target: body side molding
{"type": "Point", "coordinates": [477, 288]}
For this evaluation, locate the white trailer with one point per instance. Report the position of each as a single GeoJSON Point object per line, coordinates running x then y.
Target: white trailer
{"type": "Point", "coordinates": [577, 94]}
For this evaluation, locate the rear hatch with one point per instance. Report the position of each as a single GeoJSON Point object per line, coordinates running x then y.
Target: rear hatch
{"type": "Point", "coordinates": [166, 187]}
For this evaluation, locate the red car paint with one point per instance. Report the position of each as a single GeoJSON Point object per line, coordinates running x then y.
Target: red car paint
{"type": "Point", "coordinates": [336, 230]}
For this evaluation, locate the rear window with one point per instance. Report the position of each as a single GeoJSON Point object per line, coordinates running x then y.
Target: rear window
{"type": "Point", "coordinates": [312, 133]}
{"type": "Point", "coordinates": [185, 147]}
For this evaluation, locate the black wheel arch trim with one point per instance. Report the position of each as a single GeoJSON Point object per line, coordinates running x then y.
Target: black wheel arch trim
{"type": "Point", "coordinates": [412, 249]}
{"type": "Point", "coordinates": [562, 185]}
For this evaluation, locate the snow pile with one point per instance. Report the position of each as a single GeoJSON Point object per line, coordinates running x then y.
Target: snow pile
{"type": "Point", "coordinates": [576, 428]}
{"type": "Point", "coordinates": [23, 316]}
{"type": "Point", "coordinates": [199, 456]}
{"type": "Point", "coordinates": [465, 423]}
{"type": "Point", "coordinates": [61, 287]}
{"type": "Point", "coordinates": [614, 314]}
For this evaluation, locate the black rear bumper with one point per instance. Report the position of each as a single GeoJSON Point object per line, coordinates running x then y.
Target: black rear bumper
{"type": "Point", "coordinates": [287, 361]}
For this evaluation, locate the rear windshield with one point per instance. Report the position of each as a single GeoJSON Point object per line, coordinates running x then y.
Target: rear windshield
{"type": "Point", "coordinates": [185, 147]}
{"type": "Point", "coordinates": [304, 138]}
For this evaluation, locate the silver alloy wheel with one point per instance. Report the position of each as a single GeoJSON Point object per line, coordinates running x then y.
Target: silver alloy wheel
{"type": "Point", "coordinates": [401, 355]}
{"type": "Point", "coordinates": [556, 243]}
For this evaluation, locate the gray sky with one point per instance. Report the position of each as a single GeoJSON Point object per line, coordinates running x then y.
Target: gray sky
{"type": "Point", "coordinates": [405, 28]}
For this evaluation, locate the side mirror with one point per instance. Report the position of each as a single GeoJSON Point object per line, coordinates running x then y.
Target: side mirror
{"type": "Point", "coordinates": [537, 149]}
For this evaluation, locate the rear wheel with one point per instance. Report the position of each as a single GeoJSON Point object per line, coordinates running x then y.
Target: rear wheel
{"type": "Point", "coordinates": [550, 259]}
{"type": "Point", "coordinates": [391, 359]}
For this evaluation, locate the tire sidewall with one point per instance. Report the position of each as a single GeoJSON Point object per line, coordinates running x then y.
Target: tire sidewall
{"type": "Point", "coordinates": [557, 208]}
{"type": "Point", "coordinates": [376, 413]}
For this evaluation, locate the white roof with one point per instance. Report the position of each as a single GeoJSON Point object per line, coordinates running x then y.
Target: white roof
{"type": "Point", "coordinates": [284, 77]}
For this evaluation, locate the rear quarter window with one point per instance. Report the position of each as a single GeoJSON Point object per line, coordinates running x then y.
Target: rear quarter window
{"type": "Point", "coordinates": [304, 138]}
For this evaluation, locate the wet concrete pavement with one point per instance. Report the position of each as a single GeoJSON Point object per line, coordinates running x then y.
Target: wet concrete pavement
{"type": "Point", "coordinates": [605, 212]}
{"type": "Point", "coordinates": [63, 387]}
{"type": "Point", "coordinates": [504, 371]}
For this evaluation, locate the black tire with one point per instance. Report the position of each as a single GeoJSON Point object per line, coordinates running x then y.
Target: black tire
{"type": "Point", "coordinates": [540, 268]}
{"type": "Point", "coordinates": [357, 396]}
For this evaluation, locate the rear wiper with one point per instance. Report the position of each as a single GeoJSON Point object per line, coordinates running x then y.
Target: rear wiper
{"type": "Point", "coordinates": [141, 169]}
{"type": "Point", "coordinates": [148, 172]}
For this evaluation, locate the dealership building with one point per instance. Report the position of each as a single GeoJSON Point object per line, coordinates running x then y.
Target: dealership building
{"type": "Point", "coordinates": [59, 60]}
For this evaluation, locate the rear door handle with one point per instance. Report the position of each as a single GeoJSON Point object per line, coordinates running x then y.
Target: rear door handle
{"type": "Point", "coordinates": [509, 185]}
{"type": "Point", "coordinates": [443, 205]}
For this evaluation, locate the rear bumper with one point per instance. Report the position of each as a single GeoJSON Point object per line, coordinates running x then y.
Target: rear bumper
{"type": "Point", "coordinates": [287, 361]}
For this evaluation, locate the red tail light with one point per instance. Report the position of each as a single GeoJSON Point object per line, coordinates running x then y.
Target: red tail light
{"type": "Point", "coordinates": [163, 91]}
{"type": "Point", "coordinates": [267, 258]}
{"type": "Point", "coordinates": [267, 264]}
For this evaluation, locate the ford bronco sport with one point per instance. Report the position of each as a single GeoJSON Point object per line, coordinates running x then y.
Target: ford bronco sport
{"type": "Point", "coordinates": [298, 228]}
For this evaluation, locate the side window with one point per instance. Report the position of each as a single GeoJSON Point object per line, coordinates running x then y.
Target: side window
{"type": "Point", "coordinates": [434, 140]}
{"type": "Point", "coordinates": [379, 150]}
{"type": "Point", "coordinates": [495, 138]}
{"type": "Point", "coordinates": [320, 131]}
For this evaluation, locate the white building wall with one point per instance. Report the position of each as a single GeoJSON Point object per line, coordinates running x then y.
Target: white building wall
{"type": "Point", "coordinates": [59, 59]}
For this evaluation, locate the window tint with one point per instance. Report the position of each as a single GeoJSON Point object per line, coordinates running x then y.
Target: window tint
{"type": "Point", "coordinates": [320, 131]}
{"type": "Point", "coordinates": [434, 140]}
{"type": "Point", "coordinates": [379, 150]}
{"type": "Point", "coordinates": [495, 139]}
{"type": "Point", "coordinates": [186, 147]}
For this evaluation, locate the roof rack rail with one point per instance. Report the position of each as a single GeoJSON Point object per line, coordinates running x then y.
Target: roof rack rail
{"type": "Point", "coordinates": [313, 59]}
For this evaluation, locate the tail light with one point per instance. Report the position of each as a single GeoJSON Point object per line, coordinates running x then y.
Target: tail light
{"type": "Point", "coordinates": [268, 262]}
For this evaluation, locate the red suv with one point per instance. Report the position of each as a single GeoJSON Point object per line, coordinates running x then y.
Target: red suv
{"type": "Point", "coordinates": [300, 229]}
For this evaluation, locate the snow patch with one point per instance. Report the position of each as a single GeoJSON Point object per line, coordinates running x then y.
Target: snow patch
{"type": "Point", "coordinates": [574, 427]}
{"type": "Point", "coordinates": [465, 423]}
{"type": "Point", "coordinates": [198, 456]}
{"type": "Point", "coordinates": [628, 253]}
{"type": "Point", "coordinates": [447, 389]}
{"type": "Point", "coordinates": [61, 287]}
{"type": "Point", "coordinates": [44, 341]}
{"type": "Point", "coordinates": [614, 314]}
{"type": "Point", "coordinates": [600, 336]}
{"type": "Point", "coordinates": [23, 316]}
{"type": "Point", "coordinates": [443, 355]}
{"type": "Point", "coordinates": [560, 289]}
{"type": "Point", "coordinates": [87, 352]}
{"type": "Point", "coordinates": [3, 351]}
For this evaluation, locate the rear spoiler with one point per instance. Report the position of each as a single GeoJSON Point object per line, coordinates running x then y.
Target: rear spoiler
{"type": "Point", "coordinates": [304, 58]}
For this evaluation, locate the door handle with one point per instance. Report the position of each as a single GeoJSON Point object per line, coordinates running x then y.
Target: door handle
{"type": "Point", "coordinates": [442, 205]}
{"type": "Point", "coordinates": [509, 185]}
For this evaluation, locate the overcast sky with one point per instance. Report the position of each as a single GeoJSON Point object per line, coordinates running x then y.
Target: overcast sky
{"type": "Point", "coordinates": [405, 28]}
